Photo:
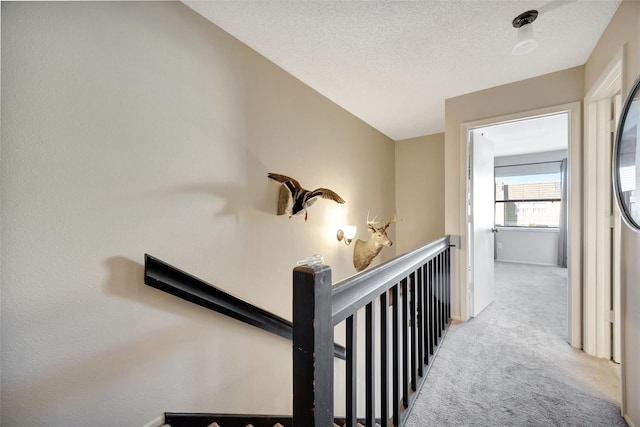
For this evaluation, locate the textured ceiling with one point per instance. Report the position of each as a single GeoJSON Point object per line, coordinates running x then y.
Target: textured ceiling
{"type": "Point", "coordinates": [393, 63]}
{"type": "Point", "coordinates": [533, 135]}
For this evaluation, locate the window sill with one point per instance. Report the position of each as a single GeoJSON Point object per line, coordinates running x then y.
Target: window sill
{"type": "Point", "coordinates": [530, 229]}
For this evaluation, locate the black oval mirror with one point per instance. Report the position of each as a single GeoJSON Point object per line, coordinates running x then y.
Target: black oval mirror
{"type": "Point", "coordinates": [626, 159]}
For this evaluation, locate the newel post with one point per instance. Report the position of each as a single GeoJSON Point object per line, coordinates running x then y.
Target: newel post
{"type": "Point", "coordinates": [312, 347]}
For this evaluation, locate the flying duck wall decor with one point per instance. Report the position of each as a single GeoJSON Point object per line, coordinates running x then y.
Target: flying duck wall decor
{"type": "Point", "coordinates": [294, 200]}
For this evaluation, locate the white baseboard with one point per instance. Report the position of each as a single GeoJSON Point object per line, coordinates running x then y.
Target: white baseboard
{"type": "Point", "coordinates": [526, 262]}
{"type": "Point", "coordinates": [158, 422]}
{"type": "Point", "coordinates": [631, 424]}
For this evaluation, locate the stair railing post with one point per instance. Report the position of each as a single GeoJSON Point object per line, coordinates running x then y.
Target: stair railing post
{"type": "Point", "coordinates": [312, 347]}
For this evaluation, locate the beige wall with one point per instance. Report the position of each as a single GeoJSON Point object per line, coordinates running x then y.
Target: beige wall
{"type": "Point", "coordinates": [558, 88]}
{"type": "Point", "coordinates": [623, 32]}
{"type": "Point", "coordinates": [419, 190]}
{"type": "Point", "coordinates": [132, 128]}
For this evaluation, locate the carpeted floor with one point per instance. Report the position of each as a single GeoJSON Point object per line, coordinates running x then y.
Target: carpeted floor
{"type": "Point", "coordinates": [512, 366]}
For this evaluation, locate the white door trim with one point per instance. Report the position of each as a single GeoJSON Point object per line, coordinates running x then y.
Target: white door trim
{"type": "Point", "coordinates": [602, 231]}
{"type": "Point", "coordinates": [574, 263]}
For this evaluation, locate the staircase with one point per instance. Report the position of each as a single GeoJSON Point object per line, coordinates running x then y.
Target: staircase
{"type": "Point", "coordinates": [410, 296]}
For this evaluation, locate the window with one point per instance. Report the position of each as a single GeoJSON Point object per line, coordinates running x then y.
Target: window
{"type": "Point", "coordinates": [528, 195]}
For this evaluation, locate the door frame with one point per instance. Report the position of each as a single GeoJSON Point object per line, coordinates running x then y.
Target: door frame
{"type": "Point", "coordinates": [601, 251]}
{"type": "Point", "coordinates": [574, 229]}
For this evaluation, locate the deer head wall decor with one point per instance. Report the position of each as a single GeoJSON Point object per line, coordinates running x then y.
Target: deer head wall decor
{"type": "Point", "coordinates": [365, 252]}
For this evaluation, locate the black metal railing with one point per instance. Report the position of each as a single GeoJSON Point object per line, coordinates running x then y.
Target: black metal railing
{"type": "Point", "coordinates": [410, 295]}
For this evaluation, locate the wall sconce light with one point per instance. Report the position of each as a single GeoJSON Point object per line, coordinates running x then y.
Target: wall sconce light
{"type": "Point", "coordinates": [524, 24]}
{"type": "Point", "coordinates": [348, 232]}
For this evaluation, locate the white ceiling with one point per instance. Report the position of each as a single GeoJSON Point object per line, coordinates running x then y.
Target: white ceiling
{"type": "Point", "coordinates": [533, 135]}
{"type": "Point", "coordinates": [393, 63]}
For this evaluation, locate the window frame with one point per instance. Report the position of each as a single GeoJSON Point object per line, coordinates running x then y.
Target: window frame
{"type": "Point", "coordinates": [524, 227]}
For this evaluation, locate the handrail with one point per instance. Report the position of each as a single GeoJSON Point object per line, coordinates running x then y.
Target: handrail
{"type": "Point", "coordinates": [411, 295]}
{"type": "Point", "coordinates": [353, 293]}
{"type": "Point", "coordinates": [160, 275]}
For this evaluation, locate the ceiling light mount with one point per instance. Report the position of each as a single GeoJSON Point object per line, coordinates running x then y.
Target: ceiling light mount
{"type": "Point", "coordinates": [524, 18]}
{"type": "Point", "coordinates": [525, 42]}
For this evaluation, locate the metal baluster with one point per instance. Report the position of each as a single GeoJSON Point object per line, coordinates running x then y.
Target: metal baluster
{"type": "Point", "coordinates": [432, 309]}
{"type": "Point", "coordinates": [396, 355]}
{"type": "Point", "coordinates": [443, 313]}
{"type": "Point", "coordinates": [448, 269]}
{"type": "Point", "coordinates": [427, 313]}
{"type": "Point", "coordinates": [370, 411]}
{"type": "Point", "coordinates": [421, 321]}
{"type": "Point", "coordinates": [384, 361]}
{"type": "Point", "coordinates": [413, 329]}
{"type": "Point", "coordinates": [438, 289]}
{"type": "Point", "coordinates": [352, 340]}
{"type": "Point", "coordinates": [405, 343]}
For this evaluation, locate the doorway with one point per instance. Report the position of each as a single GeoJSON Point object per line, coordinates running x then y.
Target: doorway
{"type": "Point", "coordinates": [517, 199]}
{"type": "Point", "coordinates": [574, 157]}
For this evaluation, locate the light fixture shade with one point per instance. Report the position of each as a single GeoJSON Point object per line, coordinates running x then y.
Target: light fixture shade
{"type": "Point", "coordinates": [349, 231]}
{"type": "Point", "coordinates": [525, 42]}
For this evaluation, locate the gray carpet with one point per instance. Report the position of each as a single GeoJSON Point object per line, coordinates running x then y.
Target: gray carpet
{"type": "Point", "coordinates": [512, 366]}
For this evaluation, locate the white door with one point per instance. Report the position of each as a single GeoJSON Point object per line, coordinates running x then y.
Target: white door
{"type": "Point", "coordinates": [481, 222]}
{"type": "Point", "coordinates": [602, 235]}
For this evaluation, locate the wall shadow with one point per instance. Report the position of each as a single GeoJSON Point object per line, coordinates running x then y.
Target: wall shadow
{"type": "Point", "coordinates": [77, 376]}
{"type": "Point", "coordinates": [257, 194]}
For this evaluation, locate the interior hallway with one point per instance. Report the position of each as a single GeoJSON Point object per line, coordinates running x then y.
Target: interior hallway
{"type": "Point", "coordinates": [511, 365]}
